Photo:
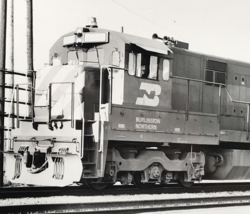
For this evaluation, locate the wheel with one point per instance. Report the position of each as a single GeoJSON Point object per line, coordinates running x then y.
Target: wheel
{"type": "Point", "coordinates": [183, 182]}
{"type": "Point", "coordinates": [137, 176]}
{"type": "Point", "coordinates": [164, 181]}
{"type": "Point", "coordinates": [96, 186]}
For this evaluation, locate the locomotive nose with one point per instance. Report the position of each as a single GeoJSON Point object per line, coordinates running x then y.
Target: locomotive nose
{"type": "Point", "coordinates": [59, 88]}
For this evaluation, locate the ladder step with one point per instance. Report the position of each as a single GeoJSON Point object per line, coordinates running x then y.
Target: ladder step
{"type": "Point", "coordinates": [87, 171]}
{"type": "Point", "coordinates": [89, 163]}
{"type": "Point", "coordinates": [89, 149]}
{"type": "Point", "coordinates": [41, 106]}
{"type": "Point", "coordinates": [41, 120]}
{"type": "Point", "coordinates": [91, 176]}
{"type": "Point", "coordinates": [90, 121]}
{"type": "Point", "coordinates": [26, 120]}
{"type": "Point", "coordinates": [88, 135]}
{"type": "Point", "coordinates": [60, 120]}
{"type": "Point", "coordinates": [44, 120]}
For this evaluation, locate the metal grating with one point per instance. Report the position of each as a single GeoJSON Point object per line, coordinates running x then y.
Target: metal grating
{"type": "Point", "coordinates": [216, 66]}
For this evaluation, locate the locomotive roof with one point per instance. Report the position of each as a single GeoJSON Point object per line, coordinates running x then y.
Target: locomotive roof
{"type": "Point", "coordinates": [157, 45]}
{"type": "Point", "coordinates": [152, 44]}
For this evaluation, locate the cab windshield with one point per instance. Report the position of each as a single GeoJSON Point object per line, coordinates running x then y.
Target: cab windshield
{"type": "Point", "coordinates": [92, 55]}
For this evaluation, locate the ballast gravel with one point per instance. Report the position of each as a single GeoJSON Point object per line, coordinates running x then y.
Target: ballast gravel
{"type": "Point", "coordinates": [110, 198]}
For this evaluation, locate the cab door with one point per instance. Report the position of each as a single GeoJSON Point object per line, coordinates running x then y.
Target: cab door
{"type": "Point", "coordinates": [165, 71]}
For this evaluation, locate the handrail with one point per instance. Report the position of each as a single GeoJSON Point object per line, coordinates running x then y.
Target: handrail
{"type": "Point", "coordinates": [111, 84]}
{"type": "Point", "coordinates": [235, 101]}
{"type": "Point", "coordinates": [49, 106]}
{"type": "Point", "coordinates": [72, 104]}
{"type": "Point", "coordinates": [17, 100]}
{"type": "Point", "coordinates": [72, 101]}
{"type": "Point", "coordinates": [219, 108]}
{"type": "Point", "coordinates": [197, 80]}
{"type": "Point", "coordinates": [12, 72]}
{"type": "Point", "coordinates": [17, 106]}
{"type": "Point", "coordinates": [101, 126]}
{"type": "Point", "coordinates": [214, 83]}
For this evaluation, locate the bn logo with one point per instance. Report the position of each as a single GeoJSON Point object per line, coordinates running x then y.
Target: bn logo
{"type": "Point", "coordinates": [150, 98]}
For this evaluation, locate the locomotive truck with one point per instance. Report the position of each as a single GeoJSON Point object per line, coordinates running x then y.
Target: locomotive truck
{"type": "Point", "coordinates": [111, 107]}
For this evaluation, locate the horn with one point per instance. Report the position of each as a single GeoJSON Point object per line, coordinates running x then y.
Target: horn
{"type": "Point", "coordinates": [165, 39]}
{"type": "Point", "coordinates": [155, 36]}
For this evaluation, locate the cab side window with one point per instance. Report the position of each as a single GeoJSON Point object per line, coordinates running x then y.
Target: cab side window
{"type": "Point", "coordinates": [153, 67]}
{"type": "Point", "coordinates": [143, 65]}
{"type": "Point", "coordinates": [166, 69]}
{"type": "Point", "coordinates": [116, 58]}
{"type": "Point", "coordinates": [138, 65]}
{"type": "Point", "coordinates": [131, 64]}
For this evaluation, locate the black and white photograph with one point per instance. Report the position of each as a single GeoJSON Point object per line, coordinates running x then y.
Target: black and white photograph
{"type": "Point", "coordinates": [125, 106]}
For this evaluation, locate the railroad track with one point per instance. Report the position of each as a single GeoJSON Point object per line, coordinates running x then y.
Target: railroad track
{"type": "Point", "coordinates": [132, 206]}
{"type": "Point", "coordinates": [23, 192]}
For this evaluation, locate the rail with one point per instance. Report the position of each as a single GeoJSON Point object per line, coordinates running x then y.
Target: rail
{"type": "Point", "coordinates": [132, 206]}
{"type": "Point", "coordinates": [219, 107]}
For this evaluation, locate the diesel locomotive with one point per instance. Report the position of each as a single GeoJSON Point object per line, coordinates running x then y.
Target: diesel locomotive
{"type": "Point", "coordinates": [111, 107]}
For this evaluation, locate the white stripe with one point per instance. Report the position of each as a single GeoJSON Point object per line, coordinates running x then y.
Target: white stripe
{"type": "Point", "coordinates": [79, 82]}
{"type": "Point", "coordinates": [62, 73]}
{"type": "Point", "coordinates": [78, 109]}
{"type": "Point", "coordinates": [41, 100]}
{"type": "Point", "coordinates": [64, 100]}
{"type": "Point", "coordinates": [78, 113]}
{"type": "Point", "coordinates": [61, 76]}
{"type": "Point", "coordinates": [41, 74]}
{"type": "Point", "coordinates": [41, 95]}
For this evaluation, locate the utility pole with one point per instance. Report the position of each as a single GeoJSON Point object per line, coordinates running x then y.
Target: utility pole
{"type": "Point", "coordinates": [30, 66]}
{"type": "Point", "coordinates": [3, 15]}
{"type": "Point", "coordinates": [10, 39]}
{"type": "Point", "coordinates": [9, 77]}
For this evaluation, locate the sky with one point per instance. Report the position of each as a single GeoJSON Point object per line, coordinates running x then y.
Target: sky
{"type": "Point", "coordinates": [220, 28]}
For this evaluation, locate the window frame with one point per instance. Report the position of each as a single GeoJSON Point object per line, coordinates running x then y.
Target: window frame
{"type": "Point", "coordinates": [165, 60]}
{"type": "Point", "coordinates": [116, 58]}
{"type": "Point", "coordinates": [137, 65]}
{"type": "Point", "coordinates": [99, 50]}
{"type": "Point", "coordinates": [153, 67]}
{"type": "Point", "coordinates": [215, 72]}
{"type": "Point", "coordinates": [214, 77]}
{"type": "Point", "coordinates": [133, 64]}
